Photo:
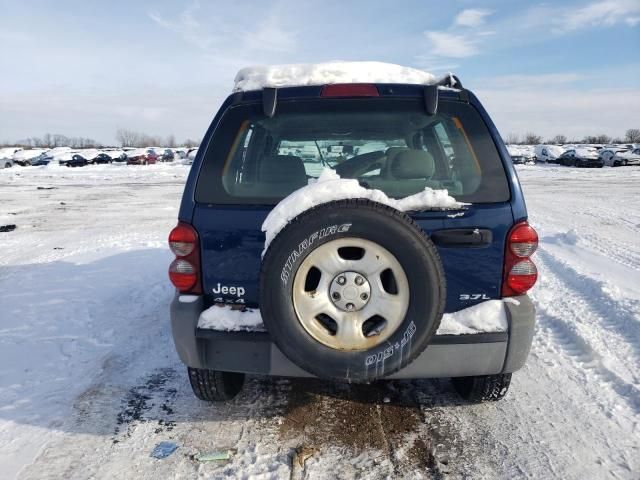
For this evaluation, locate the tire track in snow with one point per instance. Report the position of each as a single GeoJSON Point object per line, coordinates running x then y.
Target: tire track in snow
{"type": "Point", "coordinates": [619, 251]}
{"type": "Point", "coordinates": [590, 362]}
{"type": "Point", "coordinates": [618, 319]}
{"type": "Point", "coordinates": [559, 317]}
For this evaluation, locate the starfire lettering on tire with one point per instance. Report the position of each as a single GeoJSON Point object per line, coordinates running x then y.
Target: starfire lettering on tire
{"type": "Point", "coordinates": [305, 244]}
{"type": "Point", "coordinates": [393, 348]}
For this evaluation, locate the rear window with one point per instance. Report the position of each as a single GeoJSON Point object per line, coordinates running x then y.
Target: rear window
{"type": "Point", "coordinates": [386, 144]}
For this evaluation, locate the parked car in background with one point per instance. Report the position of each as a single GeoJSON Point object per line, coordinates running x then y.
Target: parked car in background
{"type": "Point", "coordinates": [102, 158]}
{"type": "Point", "coordinates": [190, 156]}
{"type": "Point", "coordinates": [77, 160]}
{"type": "Point", "coordinates": [181, 153]}
{"type": "Point", "coordinates": [62, 158]}
{"type": "Point", "coordinates": [581, 157]}
{"type": "Point", "coordinates": [521, 154]}
{"type": "Point", "coordinates": [548, 153]}
{"type": "Point", "coordinates": [626, 158]}
{"type": "Point", "coordinates": [48, 156]}
{"type": "Point", "coordinates": [24, 157]}
{"type": "Point", "coordinates": [135, 156]}
{"type": "Point", "coordinates": [607, 154]}
{"type": "Point", "coordinates": [167, 155]}
{"type": "Point", "coordinates": [42, 160]}
{"type": "Point", "coordinates": [152, 156]}
{"type": "Point", "coordinates": [6, 156]}
{"type": "Point", "coordinates": [141, 156]}
{"type": "Point", "coordinates": [116, 155]}
{"type": "Point", "coordinates": [89, 154]}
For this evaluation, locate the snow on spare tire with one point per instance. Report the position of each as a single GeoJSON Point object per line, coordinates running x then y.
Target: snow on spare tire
{"type": "Point", "coordinates": [351, 288]}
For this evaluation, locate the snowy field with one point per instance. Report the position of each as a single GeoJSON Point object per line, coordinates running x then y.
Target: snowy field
{"type": "Point", "coordinates": [90, 382]}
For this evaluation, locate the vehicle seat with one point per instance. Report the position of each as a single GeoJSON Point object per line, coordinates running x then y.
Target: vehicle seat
{"type": "Point", "coordinates": [409, 172]}
{"type": "Point", "coordinates": [391, 154]}
{"type": "Point", "coordinates": [279, 175]}
{"type": "Point", "coordinates": [413, 164]}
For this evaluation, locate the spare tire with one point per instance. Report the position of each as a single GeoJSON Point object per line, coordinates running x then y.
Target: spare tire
{"type": "Point", "coordinates": [352, 290]}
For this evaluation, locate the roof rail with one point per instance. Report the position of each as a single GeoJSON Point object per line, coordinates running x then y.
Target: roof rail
{"type": "Point", "coordinates": [430, 92]}
{"type": "Point", "coordinates": [449, 80]}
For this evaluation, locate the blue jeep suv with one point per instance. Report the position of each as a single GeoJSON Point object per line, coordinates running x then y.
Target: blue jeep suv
{"type": "Point", "coordinates": [352, 289]}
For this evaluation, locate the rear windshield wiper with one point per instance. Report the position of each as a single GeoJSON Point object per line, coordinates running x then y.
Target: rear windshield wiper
{"type": "Point", "coordinates": [324, 162]}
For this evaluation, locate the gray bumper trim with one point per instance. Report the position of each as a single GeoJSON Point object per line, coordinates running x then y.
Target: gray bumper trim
{"type": "Point", "coordinates": [521, 318]}
{"type": "Point", "coordinates": [446, 356]}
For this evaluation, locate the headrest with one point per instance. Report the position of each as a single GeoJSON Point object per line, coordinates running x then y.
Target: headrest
{"type": "Point", "coordinates": [282, 169]}
{"type": "Point", "coordinates": [393, 151]}
{"type": "Point", "coordinates": [413, 164]}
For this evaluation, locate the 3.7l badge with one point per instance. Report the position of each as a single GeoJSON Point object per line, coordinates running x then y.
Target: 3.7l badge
{"type": "Point", "coordinates": [473, 296]}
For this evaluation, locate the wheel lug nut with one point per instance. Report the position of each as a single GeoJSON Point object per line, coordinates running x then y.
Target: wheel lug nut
{"type": "Point", "coordinates": [335, 295]}
{"type": "Point", "coordinates": [342, 280]}
{"type": "Point", "coordinates": [359, 280]}
{"type": "Point", "coordinates": [350, 306]}
{"type": "Point", "coordinates": [364, 296]}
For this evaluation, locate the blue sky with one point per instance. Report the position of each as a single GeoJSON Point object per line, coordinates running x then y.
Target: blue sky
{"type": "Point", "coordinates": [86, 68]}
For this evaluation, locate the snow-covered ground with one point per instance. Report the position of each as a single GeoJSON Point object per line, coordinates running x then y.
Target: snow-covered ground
{"type": "Point", "coordinates": [90, 382]}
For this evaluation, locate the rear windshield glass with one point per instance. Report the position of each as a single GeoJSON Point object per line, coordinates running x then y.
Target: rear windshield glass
{"type": "Point", "coordinates": [390, 145]}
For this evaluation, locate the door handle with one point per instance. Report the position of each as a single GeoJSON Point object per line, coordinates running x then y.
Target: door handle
{"type": "Point", "coordinates": [463, 237]}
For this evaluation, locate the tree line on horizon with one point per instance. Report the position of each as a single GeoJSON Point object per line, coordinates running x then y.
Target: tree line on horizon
{"type": "Point", "coordinates": [632, 135]}
{"type": "Point", "coordinates": [124, 137]}
{"type": "Point", "coordinates": [131, 138]}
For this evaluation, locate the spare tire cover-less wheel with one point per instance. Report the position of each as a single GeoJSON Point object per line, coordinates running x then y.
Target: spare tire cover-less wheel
{"type": "Point", "coordinates": [352, 290]}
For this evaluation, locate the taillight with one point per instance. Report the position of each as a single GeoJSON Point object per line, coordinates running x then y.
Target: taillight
{"type": "Point", "coordinates": [523, 240]}
{"type": "Point", "coordinates": [182, 240]}
{"type": "Point", "coordinates": [184, 271]}
{"type": "Point", "coordinates": [350, 90]}
{"type": "Point", "coordinates": [520, 273]}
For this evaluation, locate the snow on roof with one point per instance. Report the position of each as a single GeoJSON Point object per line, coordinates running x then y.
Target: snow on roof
{"type": "Point", "coordinates": [56, 150]}
{"type": "Point", "coordinates": [113, 152]}
{"type": "Point", "coordinates": [301, 74]}
{"type": "Point", "coordinates": [89, 153]}
{"type": "Point", "coordinates": [513, 149]}
{"type": "Point", "coordinates": [552, 150]}
{"type": "Point", "coordinates": [628, 154]}
{"type": "Point", "coordinates": [64, 155]}
{"type": "Point", "coordinates": [586, 152]}
{"type": "Point", "coordinates": [29, 154]}
{"type": "Point", "coordinates": [520, 150]}
{"type": "Point", "coordinates": [134, 152]}
{"type": "Point", "coordinates": [8, 152]}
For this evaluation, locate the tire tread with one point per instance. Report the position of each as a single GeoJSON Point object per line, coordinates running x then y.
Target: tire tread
{"type": "Point", "coordinates": [214, 385]}
{"type": "Point", "coordinates": [483, 388]}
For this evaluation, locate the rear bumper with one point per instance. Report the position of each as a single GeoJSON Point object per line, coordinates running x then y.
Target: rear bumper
{"type": "Point", "coordinates": [446, 355]}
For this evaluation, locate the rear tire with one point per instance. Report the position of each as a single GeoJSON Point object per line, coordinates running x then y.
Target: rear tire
{"type": "Point", "coordinates": [214, 385]}
{"type": "Point", "coordinates": [482, 388]}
